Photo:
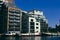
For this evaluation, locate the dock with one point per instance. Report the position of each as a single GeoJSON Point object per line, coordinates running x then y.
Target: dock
{"type": "Point", "coordinates": [51, 34]}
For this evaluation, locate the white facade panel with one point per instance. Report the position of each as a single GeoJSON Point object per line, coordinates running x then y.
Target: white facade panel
{"type": "Point", "coordinates": [37, 30]}
{"type": "Point", "coordinates": [37, 27]}
{"type": "Point", "coordinates": [32, 18]}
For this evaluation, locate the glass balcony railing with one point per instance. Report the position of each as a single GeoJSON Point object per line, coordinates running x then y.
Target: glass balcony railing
{"type": "Point", "coordinates": [11, 20]}
{"type": "Point", "coordinates": [1, 2]}
{"type": "Point", "coordinates": [17, 17]}
{"type": "Point", "coordinates": [13, 23]}
{"type": "Point", "coordinates": [17, 14]}
{"type": "Point", "coordinates": [12, 17]}
{"type": "Point", "coordinates": [16, 20]}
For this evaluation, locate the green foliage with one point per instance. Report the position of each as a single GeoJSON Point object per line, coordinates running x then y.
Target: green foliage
{"type": "Point", "coordinates": [54, 30]}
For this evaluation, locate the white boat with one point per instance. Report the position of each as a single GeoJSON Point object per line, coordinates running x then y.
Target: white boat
{"type": "Point", "coordinates": [10, 33]}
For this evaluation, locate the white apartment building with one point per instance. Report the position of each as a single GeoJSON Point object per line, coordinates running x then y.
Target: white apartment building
{"type": "Point", "coordinates": [38, 18]}
{"type": "Point", "coordinates": [34, 26]}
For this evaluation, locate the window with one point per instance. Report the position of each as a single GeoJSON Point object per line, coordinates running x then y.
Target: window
{"type": "Point", "coordinates": [31, 23]}
{"type": "Point", "coordinates": [36, 23]}
{"type": "Point", "coordinates": [36, 27]}
{"type": "Point", "coordinates": [11, 29]}
{"type": "Point", "coordinates": [17, 29]}
{"type": "Point", "coordinates": [36, 31]}
{"type": "Point", "coordinates": [32, 27]}
{"type": "Point", "coordinates": [11, 11]}
{"type": "Point", "coordinates": [32, 31]}
{"type": "Point", "coordinates": [31, 19]}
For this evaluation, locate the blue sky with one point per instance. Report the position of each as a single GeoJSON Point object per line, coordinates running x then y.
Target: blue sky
{"type": "Point", "coordinates": [51, 8]}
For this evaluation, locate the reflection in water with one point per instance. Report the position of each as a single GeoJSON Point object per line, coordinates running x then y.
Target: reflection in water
{"type": "Point", "coordinates": [10, 38]}
{"type": "Point", "coordinates": [32, 38]}
{"type": "Point", "coordinates": [37, 38]}
{"type": "Point", "coordinates": [28, 38]}
{"type": "Point", "coordinates": [2, 38]}
{"type": "Point", "coordinates": [13, 38]}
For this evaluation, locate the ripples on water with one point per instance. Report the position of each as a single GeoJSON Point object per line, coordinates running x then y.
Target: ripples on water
{"type": "Point", "coordinates": [32, 38]}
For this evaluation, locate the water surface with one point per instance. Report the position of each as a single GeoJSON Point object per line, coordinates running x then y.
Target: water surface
{"type": "Point", "coordinates": [32, 38]}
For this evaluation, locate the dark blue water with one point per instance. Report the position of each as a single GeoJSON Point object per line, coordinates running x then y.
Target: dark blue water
{"type": "Point", "coordinates": [31, 38]}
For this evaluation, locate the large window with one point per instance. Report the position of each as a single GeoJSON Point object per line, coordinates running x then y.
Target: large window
{"type": "Point", "coordinates": [32, 31]}
{"type": "Point", "coordinates": [11, 29]}
{"type": "Point", "coordinates": [31, 23]}
{"type": "Point", "coordinates": [17, 29]}
{"type": "Point", "coordinates": [32, 27]}
{"type": "Point", "coordinates": [36, 23]}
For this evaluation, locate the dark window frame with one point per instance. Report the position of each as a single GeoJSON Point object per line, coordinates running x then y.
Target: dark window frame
{"type": "Point", "coordinates": [32, 20]}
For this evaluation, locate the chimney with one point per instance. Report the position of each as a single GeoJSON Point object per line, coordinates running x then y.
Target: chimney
{"type": "Point", "coordinates": [10, 0]}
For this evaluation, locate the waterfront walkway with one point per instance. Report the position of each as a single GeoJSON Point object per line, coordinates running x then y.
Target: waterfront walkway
{"type": "Point", "coordinates": [44, 33]}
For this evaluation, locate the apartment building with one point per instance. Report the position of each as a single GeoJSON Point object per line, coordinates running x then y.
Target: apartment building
{"type": "Point", "coordinates": [40, 18]}
{"type": "Point", "coordinates": [3, 17]}
{"type": "Point", "coordinates": [15, 20]}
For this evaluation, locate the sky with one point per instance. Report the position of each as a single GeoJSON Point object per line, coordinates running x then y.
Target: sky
{"type": "Point", "coordinates": [51, 8]}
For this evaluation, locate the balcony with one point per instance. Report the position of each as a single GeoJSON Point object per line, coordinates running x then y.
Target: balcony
{"type": "Point", "coordinates": [13, 23]}
{"type": "Point", "coordinates": [11, 17]}
{"type": "Point", "coordinates": [16, 14]}
{"type": "Point", "coordinates": [16, 20]}
{"type": "Point", "coordinates": [1, 2]}
{"type": "Point", "coordinates": [17, 17]}
{"type": "Point", "coordinates": [12, 11]}
{"type": "Point", "coordinates": [11, 20]}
